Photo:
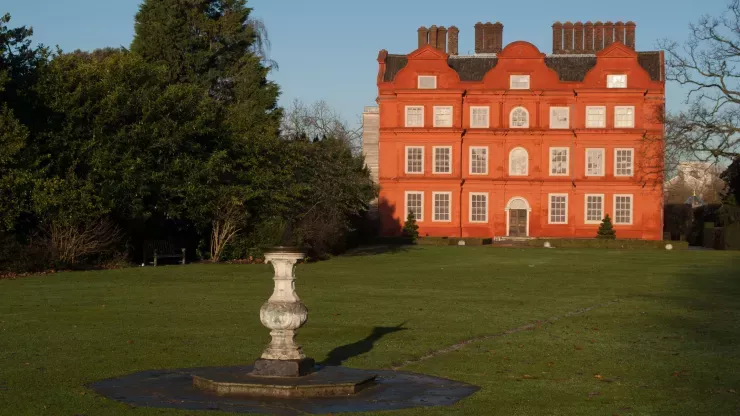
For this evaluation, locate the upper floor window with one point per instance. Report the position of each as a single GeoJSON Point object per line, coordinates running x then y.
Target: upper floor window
{"type": "Point", "coordinates": [518, 162]}
{"type": "Point", "coordinates": [442, 116]}
{"type": "Point", "coordinates": [427, 82]}
{"type": "Point", "coordinates": [519, 82]}
{"type": "Point", "coordinates": [414, 116]}
{"type": "Point", "coordinates": [415, 204]}
{"type": "Point", "coordinates": [478, 160]}
{"type": "Point", "coordinates": [594, 162]}
{"type": "Point", "coordinates": [559, 117]}
{"type": "Point", "coordinates": [616, 81]}
{"type": "Point", "coordinates": [519, 118]}
{"type": "Point", "coordinates": [623, 209]}
{"type": "Point", "coordinates": [479, 117]}
{"type": "Point", "coordinates": [558, 209]}
{"type": "Point", "coordinates": [623, 162]}
{"type": "Point", "coordinates": [624, 116]}
{"type": "Point", "coordinates": [443, 159]}
{"type": "Point", "coordinates": [414, 159]}
{"type": "Point", "coordinates": [595, 117]}
{"type": "Point", "coordinates": [478, 207]}
{"type": "Point", "coordinates": [558, 161]}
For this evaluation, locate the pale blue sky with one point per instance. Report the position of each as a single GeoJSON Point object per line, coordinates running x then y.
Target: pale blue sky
{"type": "Point", "coordinates": [327, 49]}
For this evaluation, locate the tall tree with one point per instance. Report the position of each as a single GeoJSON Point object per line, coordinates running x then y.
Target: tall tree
{"type": "Point", "coordinates": [707, 64]}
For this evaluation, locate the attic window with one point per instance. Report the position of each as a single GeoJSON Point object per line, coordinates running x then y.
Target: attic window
{"type": "Point", "coordinates": [427, 82]}
{"type": "Point", "coordinates": [616, 81]}
{"type": "Point", "coordinates": [519, 82]}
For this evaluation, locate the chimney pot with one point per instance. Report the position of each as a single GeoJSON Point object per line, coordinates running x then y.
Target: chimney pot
{"type": "Point", "coordinates": [442, 39]}
{"type": "Point", "coordinates": [557, 37]}
{"type": "Point", "coordinates": [588, 45]}
{"type": "Point", "coordinates": [630, 34]}
{"type": "Point", "coordinates": [578, 39]}
{"type": "Point", "coordinates": [598, 36]}
{"type": "Point", "coordinates": [568, 38]}
{"type": "Point", "coordinates": [479, 37]}
{"type": "Point", "coordinates": [619, 32]}
{"type": "Point", "coordinates": [498, 30]}
{"type": "Point", "coordinates": [608, 34]}
{"type": "Point", "coordinates": [423, 36]}
{"type": "Point", "coordinates": [433, 36]}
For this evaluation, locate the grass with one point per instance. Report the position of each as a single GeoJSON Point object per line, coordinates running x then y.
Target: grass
{"type": "Point", "coordinates": [663, 337]}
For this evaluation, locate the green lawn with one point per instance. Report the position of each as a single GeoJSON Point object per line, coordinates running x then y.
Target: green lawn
{"type": "Point", "coordinates": [662, 337]}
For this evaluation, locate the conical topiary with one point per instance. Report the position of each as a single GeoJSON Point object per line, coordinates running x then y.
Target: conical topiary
{"type": "Point", "coordinates": [606, 229]}
{"type": "Point", "coordinates": [410, 228]}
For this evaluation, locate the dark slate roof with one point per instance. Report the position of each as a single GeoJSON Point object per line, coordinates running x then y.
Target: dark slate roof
{"type": "Point", "coordinates": [569, 68]}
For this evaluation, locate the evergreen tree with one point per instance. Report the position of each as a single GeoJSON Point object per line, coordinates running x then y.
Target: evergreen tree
{"type": "Point", "coordinates": [410, 228]}
{"type": "Point", "coordinates": [606, 229]}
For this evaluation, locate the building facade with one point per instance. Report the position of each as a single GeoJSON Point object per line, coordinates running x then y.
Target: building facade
{"type": "Point", "coordinates": [511, 142]}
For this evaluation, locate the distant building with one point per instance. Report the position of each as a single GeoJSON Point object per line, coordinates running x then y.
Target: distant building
{"type": "Point", "coordinates": [696, 183]}
{"type": "Point", "coordinates": [513, 142]}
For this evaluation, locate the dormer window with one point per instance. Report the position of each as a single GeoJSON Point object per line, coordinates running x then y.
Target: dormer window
{"type": "Point", "coordinates": [519, 82]}
{"type": "Point", "coordinates": [616, 81]}
{"type": "Point", "coordinates": [427, 82]}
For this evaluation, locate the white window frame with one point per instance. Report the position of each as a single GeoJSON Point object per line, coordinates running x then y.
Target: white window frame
{"type": "Point", "coordinates": [612, 83]}
{"type": "Point", "coordinates": [589, 125]}
{"type": "Point", "coordinates": [632, 162]}
{"type": "Point", "coordinates": [406, 202]}
{"type": "Point", "coordinates": [585, 209]}
{"type": "Point", "coordinates": [434, 206]}
{"type": "Point", "coordinates": [420, 77]}
{"type": "Point", "coordinates": [511, 118]}
{"type": "Point", "coordinates": [520, 78]}
{"type": "Point", "coordinates": [488, 117]}
{"type": "Point", "coordinates": [470, 160]}
{"type": "Point", "coordinates": [452, 115]}
{"type": "Point", "coordinates": [632, 209]}
{"type": "Point", "coordinates": [434, 160]}
{"type": "Point", "coordinates": [555, 108]}
{"type": "Point", "coordinates": [567, 161]}
{"type": "Point", "coordinates": [603, 161]}
{"type": "Point", "coordinates": [406, 160]}
{"type": "Point", "coordinates": [406, 115]}
{"type": "Point", "coordinates": [526, 173]}
{"type": "Point", "coordinates": [624, 107]}
{"type": "Point", "coordinates": [470, 207]}
{"type": "Point", "coordinates": [549, 209]}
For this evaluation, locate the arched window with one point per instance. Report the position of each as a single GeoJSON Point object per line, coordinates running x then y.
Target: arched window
{"type": "Point", "coordinates": [518, 162]}
{"type": "Point", "coordinates": [519, 118]}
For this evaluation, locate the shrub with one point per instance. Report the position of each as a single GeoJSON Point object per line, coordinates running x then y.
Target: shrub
{"type": "Point", "coordinates": [606, 243]}
{"type": "Point", "coordinates": [606, 229]}
{"type": "Point", "coordinates": [678, 220]}
{"type": "Point", "coordinates": [410, 228]}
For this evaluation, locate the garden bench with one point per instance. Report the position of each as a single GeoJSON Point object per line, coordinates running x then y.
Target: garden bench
{"type": "Point", "coordinates": [162, 249]}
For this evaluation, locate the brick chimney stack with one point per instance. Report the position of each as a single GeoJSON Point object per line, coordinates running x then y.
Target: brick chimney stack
{"type": "Point", "coordinates": [557, 37]}
{"type": "Point", "coordinates": [589, 37]}
{"type": "Point", "coordinates": [489, 37]}
{"type": "Point", "coordinates": [608, 34]}
{"type": "Point", "coordinates": [479, 37]}
{"type": "Point", "coordinates": [630, 34]}
{"type": "Point", "coordinates": [433, 36]}
{"type": "Point", "coordinates": [423, 36]}
{"type": "Point", "coordinates": [453, 35]}
{"type": "Point", "coordinates": [442, 39]}
{"type": "Point", "coordinates": [578, 27]}
{"type": "Point", "coordinates": [598, 36]}
{"type": "Point", "coordinates": [619, 32]}
{"type": "Point", "coordinates": [498, 32]}
{"type": "Point", "coordinates": [568, 38]}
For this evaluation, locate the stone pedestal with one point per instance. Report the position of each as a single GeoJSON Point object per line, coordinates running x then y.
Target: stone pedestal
{"type": "Point", "coordinates": [283, 314]}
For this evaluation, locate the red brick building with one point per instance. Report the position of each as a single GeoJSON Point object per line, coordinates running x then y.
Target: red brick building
{"type": "Point", "coordinates": [513, 142]}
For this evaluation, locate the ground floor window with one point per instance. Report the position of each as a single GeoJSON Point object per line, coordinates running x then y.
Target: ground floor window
{"type": "Point", "coordinates": [558, 209]}
{"type": "Point", "coordinates": [415, 205]}
{"type": "Point", "coordinates": [594, 209]}
{"type": "Point", "coordinates": [442, 202]}
{"type": "Point", "coordinates": [623, 209]}
{"type": "Point", "coordinates": [478, 207]}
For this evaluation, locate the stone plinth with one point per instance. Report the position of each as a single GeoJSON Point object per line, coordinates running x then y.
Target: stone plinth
{"type": "Point", "coordinates": [329, 382]}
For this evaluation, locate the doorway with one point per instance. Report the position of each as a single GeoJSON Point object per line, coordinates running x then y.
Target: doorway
{"type": "Point", "coordinates": [517, 223]}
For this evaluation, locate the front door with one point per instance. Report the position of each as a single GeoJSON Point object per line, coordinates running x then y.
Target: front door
{"type": "Point", "coordinates": [517, 223]}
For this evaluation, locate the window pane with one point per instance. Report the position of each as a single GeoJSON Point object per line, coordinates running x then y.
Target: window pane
{"type": "Point", "coordinates": [559, 117]}
{"type": "Point", "coordinates": [595, 162]}
{"type": "Point", "coordinates": [414, 204]}
{"type": "Point", "coordinates": [623, 163]}
{"type": "Point", "coordinates": [414, 159]}
{"type": "Point", "coordinates": [479, 117]}
{"type": "Point", "coordinates": [594, 208]}
{"type": "Point", "coordinates": [519, 82]}
{"type": "Point", "coordinates": [595, 117]}
{"type": "Point", "coordinates": [478, 208]}
{"type": "Point", "coordinates": [518, 162]}
{"type": "Point", "coordinates": [519, 118]}
{"type": "Point", "coordinates": [623, 209]}
{"type": "Point", "coordinates": [427, 82]}
{"type": "Point", "coordinates": [624, 117]}
{"type": "Point", "coordinates": [441, 207]}
{"type": "Point", "coordinates": [558, 161]}
{"type": "Point", "coordinates": [479, 160]}
{"type": "Point", "coordinates": [616, 81]}
{"type": "Point", "coordinates": [558, 208]}
{"type": "Point", "coordinates": [442, 160]}
{"type": "Point", "coordinates": [443, 116]}
{"type": "Point", "coordinates": [414, 116]}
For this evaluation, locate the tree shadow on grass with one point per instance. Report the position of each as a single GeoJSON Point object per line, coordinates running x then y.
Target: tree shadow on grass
{"type": "Point", "coordinates": [377, 249]}
{"type": "Point", "coordinates": [339, 355]}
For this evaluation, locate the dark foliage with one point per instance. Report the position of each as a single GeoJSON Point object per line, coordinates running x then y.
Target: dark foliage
{"type": "Point", "coordinates": [606, 229]}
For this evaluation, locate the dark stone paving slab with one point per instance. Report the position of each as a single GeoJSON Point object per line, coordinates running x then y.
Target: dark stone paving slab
{"type": "Point", "coordinates": [174, 389]}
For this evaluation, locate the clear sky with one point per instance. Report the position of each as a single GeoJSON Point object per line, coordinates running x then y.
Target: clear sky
{"type": "Point", "coordinates": [327, 49]}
